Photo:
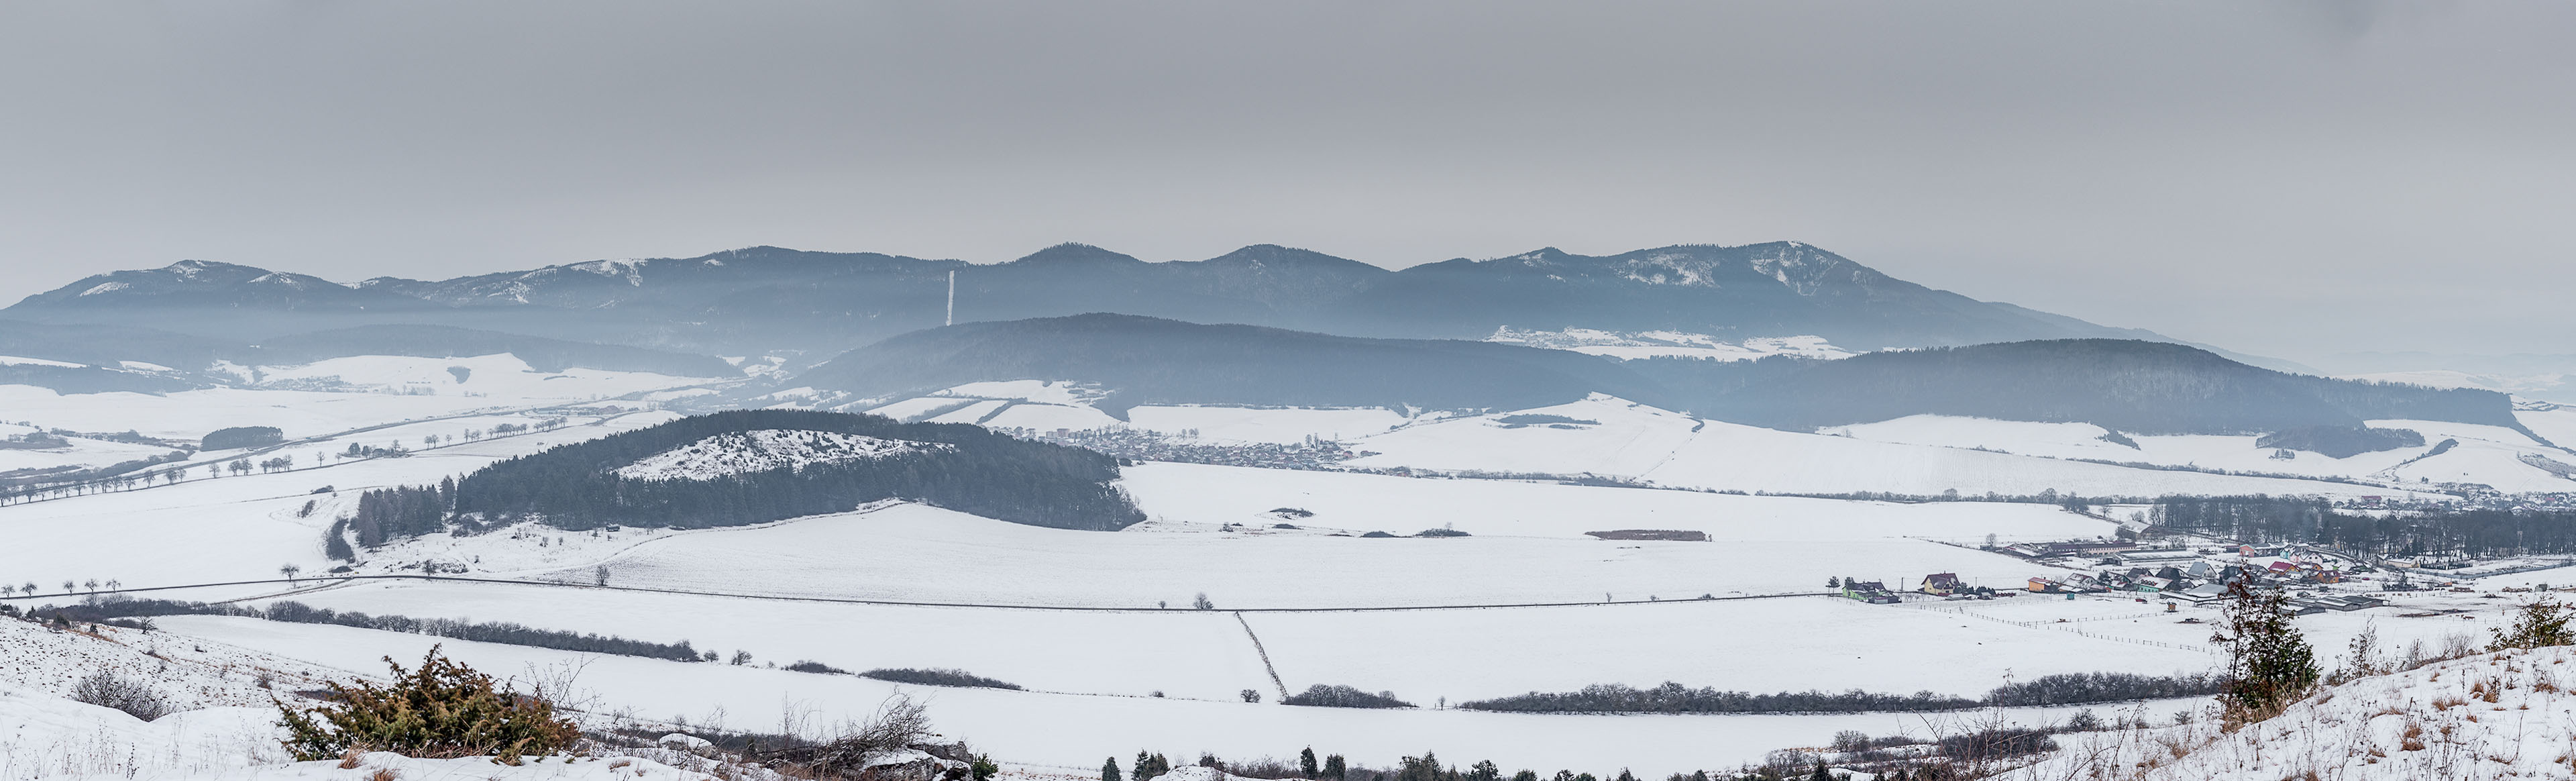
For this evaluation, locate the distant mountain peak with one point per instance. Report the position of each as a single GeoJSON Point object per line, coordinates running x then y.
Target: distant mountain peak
{"type": "Point", "coordinates": [1071, 253]}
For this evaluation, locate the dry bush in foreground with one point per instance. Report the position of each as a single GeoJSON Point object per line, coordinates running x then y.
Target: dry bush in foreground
{"type": "Point", "coordinates": [109, 690]}
{"type": "Point", "coordinates": [441, 710]}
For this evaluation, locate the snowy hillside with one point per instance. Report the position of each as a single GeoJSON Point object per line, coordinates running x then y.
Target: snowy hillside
{"type": "Point", "coordinates": [1604, 435]}
{"type": "Point", "coordinates": [1050, 405]}
{"type": "Point", "coordinates": [1662, 344]}
{"type": "Point", "coordinates": [741, 452]}
{"type": "Point", "coordinates": [2490, 455]}
{"type": "Point", "coordinates": [2502, 715]}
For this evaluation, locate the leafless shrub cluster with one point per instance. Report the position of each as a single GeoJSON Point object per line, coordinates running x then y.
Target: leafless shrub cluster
{"type": "Point", "coordinates": [109, 690]}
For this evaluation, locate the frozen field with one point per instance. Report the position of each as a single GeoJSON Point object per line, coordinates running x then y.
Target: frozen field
{"type": "Point", "coordinates": [1076, 730]}
{"type": "Point", "coordinates": [920, 553]}
{"type": "Point", "coordinates": [235, 528]}
{"type": "Point", "coordinates": [1632, 440]}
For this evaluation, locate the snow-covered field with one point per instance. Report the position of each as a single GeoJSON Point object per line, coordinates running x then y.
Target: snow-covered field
{"type": "Point", "coordinates": [1075, 730]}
{"type": "Point", "coordinates": [2484, 454]}
{"type": "Point", "coordinates": [212, 529]}
{"type": "Point", "coordinates": [1626, 439]}
{"type": "Point", "coordinates": [502, 376]}
{"type": "Point", "coordinates": [1108, 671]}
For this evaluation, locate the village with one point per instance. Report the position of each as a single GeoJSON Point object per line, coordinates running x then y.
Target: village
{"type": "Point", "coordinates": [2316, 579]}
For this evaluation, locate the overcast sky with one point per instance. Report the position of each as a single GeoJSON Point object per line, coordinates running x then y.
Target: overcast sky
{"type": "Point", "coordinates": [2287, 178]}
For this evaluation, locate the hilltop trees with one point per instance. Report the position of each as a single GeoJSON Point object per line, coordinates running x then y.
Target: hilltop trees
{"type": "Point", "coordinates": [577, 486]}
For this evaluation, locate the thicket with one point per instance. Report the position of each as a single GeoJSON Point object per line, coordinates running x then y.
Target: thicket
{"type": "Point", "coordinates": [1338, 696]}
{"type": "Point", "coordinates": [936, 677]}
{"type": "Point", "coordinates": [577, 487]}
{"type": "Point", "coordinates": [100, 611]}
{"type": "Point", "coordinates": [440, 710]}
{"type": "Point", "coordinates": [109, 690]}
{"type": "Point", "coordinates": [2066, 689]}
{"type": "Point", "coordinates": [241, 437]}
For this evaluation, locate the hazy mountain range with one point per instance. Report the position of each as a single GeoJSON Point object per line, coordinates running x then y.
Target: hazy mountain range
{"type": "Point", "coordinates": [765, 299]}
{"type": "Point", "coordinates": [1263, 325]}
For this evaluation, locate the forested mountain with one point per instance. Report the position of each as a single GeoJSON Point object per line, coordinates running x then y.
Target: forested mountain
{"type": "Point", "coordinates": [2131, 386]}
{"type": "Point", "coordinates": [584, 486]}
{"type": "Point", "coordinates": [768, 300]}
{"type": "Point", "coordinates": [2128, 385]}
{"type": "Point", "coordinates": [1144, 360]}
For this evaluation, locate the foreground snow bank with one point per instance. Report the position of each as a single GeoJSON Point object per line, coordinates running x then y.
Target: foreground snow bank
{"type": "Point", "coordinates": [2493, 716]}
{"type": "Point", "coordinates": [45, 736]}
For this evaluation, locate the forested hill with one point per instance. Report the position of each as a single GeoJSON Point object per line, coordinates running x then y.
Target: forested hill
{"type": "Point", "coordinates": [756, 466]}
{"type": "Point", "coordinates": [1146, 360]}
{"type": "Point", "coordinates": [2132, 386]}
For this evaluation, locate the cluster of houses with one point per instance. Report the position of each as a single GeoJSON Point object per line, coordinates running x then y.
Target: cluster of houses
{"type": "Point", "coordinates": [2199, 580]}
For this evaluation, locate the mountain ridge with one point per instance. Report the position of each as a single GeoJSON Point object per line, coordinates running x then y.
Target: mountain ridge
{"type": "Point", "coordinates": [764, 299]}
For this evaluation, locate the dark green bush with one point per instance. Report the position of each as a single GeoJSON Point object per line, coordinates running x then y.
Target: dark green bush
{"type": "Point", "coordinates": [441, 710]}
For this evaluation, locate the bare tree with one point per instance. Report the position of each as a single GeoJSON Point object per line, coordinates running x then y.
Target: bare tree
{"type": "Point", "coordinates": [289, 571]}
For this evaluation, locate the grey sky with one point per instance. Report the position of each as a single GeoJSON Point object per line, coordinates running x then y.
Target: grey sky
{"type": "Point", "coordinates": [2285, 178]}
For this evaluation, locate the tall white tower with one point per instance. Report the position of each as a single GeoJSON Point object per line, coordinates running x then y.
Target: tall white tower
{"type": "Point", "coordinates": [952, 297]}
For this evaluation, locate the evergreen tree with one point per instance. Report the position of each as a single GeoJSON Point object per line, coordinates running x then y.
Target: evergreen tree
{"type": "Point", "coordinates": [1109, 770]}
{"type": "Point", "coordinates": [1305, 764]}
{"type": "Point", "coordinates": [2268, 663]}
{"type": "Point", "coordinates": [1335, 768]}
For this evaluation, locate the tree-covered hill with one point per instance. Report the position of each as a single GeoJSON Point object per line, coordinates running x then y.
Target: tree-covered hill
{"type": "Point", "coordinates": [2133, 386]}
{"type": "Point", "coordinates": [577, 486]}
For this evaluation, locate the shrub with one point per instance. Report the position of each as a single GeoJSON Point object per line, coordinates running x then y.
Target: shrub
{"type": "Point", "coordinates": [441, 710]}
{"type": "Point", "coordinates": [936, 677]}
{"type": "Point", "coordinates": [2540, 624]}
{"type": "Point", "coordinates": [109, 690]}
{"type": "Point", "coordinates": [810, 666]}
{"type": "Point", "coordinates": [1336, 696]}
{"type": "Point", "coordinates": [899, 723]}
{"type": "Point", "coordinates": [1441, 533]}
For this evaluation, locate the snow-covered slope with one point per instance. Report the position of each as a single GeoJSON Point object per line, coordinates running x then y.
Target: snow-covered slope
{"type": "Point", "coordinates": [2497, 716]}
{"type": "Point", "coordinates": [1603, 435]}
{"type": "Point", "coordinates": [740, 452]}
{"type": "Point", "coordinates": [2492, 455]}
{"type": "Point", "coordinates": [1661, 344]}
{"type": "Point", "coordinates": [1049, 405]}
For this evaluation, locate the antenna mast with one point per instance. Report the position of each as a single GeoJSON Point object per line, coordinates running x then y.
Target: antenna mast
{"type": "Point", "coordinates": [952, 297]}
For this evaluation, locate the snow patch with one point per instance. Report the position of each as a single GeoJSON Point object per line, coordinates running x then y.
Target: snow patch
{"type": "Point", "coordinates": [1627, 345]}
{"type": "Point", "coordinates": [743, 452]}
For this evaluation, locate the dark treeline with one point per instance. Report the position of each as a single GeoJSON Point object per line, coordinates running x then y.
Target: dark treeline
{"type": "Point", "coordinates": [300, 613]}
{"type": "Point", "coordinates": [1338, 696]}
{"type": "Point", "coordinates": [2082, 688]}
{"type": "Point", "coordinates": [2263, 520]}
{"type": "Point", "coordinates": [390, 514]}
{"type": "Point", "coordinates": [577, 487]}
{"type": "Point", "coordinates": [936, 677]}
{"type": "Point", "coordinates": [2068, 689]}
